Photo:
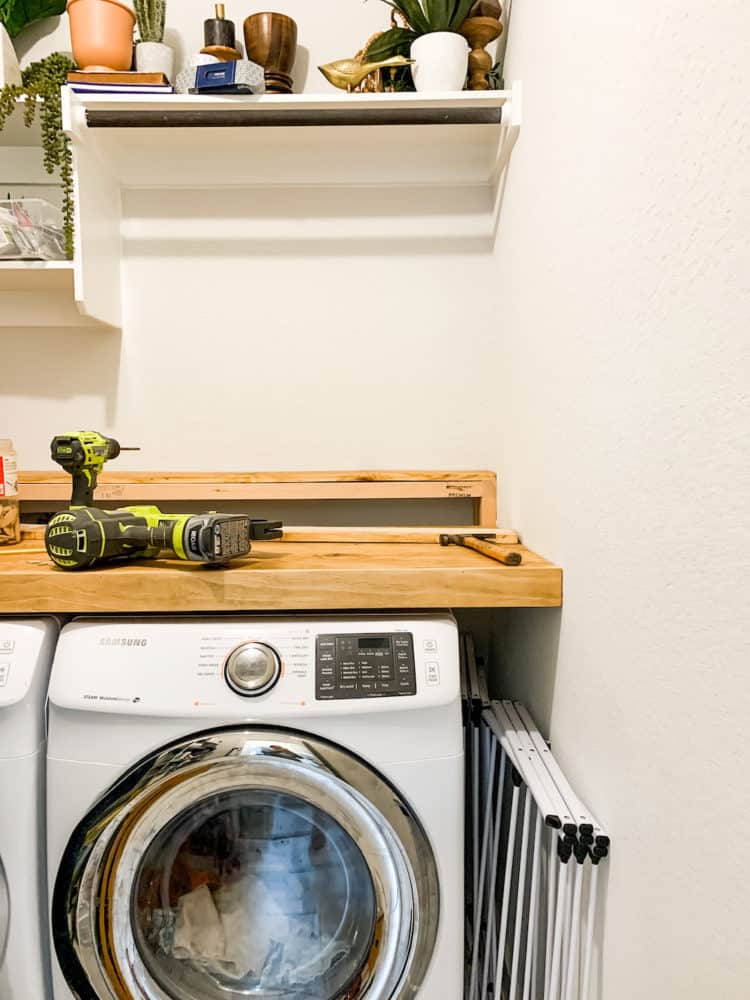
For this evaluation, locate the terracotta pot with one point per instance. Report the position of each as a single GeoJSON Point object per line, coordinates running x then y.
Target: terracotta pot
{"type": "Point", "coordinates": [271, 42]}
{"type": "Point", "coordinates": [101, 32]}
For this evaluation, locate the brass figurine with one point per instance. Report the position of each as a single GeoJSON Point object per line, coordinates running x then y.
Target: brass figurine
{"type": "Point", "coordinates": [346, 74]}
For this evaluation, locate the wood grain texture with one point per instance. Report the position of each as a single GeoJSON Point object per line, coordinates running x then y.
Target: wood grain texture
{"type": "Point", "coordinates": [285, 577]}
{"type": "Point", "coordinates": [419, 535]}
{"type": "Point", "coordinates": [327, 476]}
{"type": "Point", "coordinates": [271, 41]}
{"type": "Point", "coordinates": [133, 487]}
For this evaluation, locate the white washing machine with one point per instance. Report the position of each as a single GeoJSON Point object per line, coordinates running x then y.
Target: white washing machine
{"type": "Point", "coordinates": [26, 648]}
{"type": "Point", "coordinates": [257, 808]}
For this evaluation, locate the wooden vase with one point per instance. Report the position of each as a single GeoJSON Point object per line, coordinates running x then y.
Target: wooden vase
{"type": "Point", "coordinates": [479, 32]}
{"type": "Point", "coordinates": [271, 41]}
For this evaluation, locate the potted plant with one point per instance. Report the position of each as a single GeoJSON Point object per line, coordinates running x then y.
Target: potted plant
{"type": "Point", "coordinates": [430, 36]}
{"type": "Point", "coordinates": [15, 15]}
{"type": "Point", "coordinates": [101, 33]}
{"type": "Point", "coordinates": [41, 85]}
{"type": "Point", "coordinates": [151, 54]}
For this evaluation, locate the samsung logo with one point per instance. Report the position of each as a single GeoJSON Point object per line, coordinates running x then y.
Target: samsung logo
{"type": "Point", "coordinates": [109, 641]}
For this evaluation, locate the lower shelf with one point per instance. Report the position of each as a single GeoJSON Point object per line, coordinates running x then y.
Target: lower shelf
{"type": "Point", "coordinates": [39, 293]}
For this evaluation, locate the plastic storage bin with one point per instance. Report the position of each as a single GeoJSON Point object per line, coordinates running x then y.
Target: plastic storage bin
{"type": "Point", "coordinates": [10, 519]}
{"type": "Point", "coordinates": [31, 229]}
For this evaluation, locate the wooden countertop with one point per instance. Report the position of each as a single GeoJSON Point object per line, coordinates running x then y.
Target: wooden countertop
{"type": "Point", "coordinates": [284, 576]}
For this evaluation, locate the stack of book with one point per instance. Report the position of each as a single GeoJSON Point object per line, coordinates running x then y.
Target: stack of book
{"type": "Point", "coordinates": [106, 82]}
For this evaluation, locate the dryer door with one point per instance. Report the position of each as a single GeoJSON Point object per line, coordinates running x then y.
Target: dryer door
{"type": "Point", "coordinates": [4, 912]}
{"type": "Point", "coordinates": [248, 863]}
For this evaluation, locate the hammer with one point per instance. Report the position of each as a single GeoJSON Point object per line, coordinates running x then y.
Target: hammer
{"type": "Point", "coordinates": [487, 548]}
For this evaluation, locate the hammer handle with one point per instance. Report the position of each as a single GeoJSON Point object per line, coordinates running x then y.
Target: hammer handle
{"type": "Point", "coordinates": [492, 551]}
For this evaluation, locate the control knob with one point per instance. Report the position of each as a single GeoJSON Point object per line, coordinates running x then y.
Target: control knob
{"type": "Point", "coordinates": [252, 669]}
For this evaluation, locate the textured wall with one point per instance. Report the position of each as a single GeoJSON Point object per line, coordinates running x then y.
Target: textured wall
{"type": "Point", "coordinates": [623, 266]}
{"type": "Point", "coordinates": [328, 352]}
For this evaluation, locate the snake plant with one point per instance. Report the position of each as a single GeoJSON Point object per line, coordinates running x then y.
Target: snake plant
{"type": "Point", "coordinates": [421, 17]}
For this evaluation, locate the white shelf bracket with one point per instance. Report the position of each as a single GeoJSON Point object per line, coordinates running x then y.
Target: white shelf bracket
{"type": "Point", "coordinates": [98, 240]}
{"type": "Point", "coordinates": [511, 126]}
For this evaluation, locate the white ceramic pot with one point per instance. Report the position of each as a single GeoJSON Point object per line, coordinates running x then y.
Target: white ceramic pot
{"type": "Point", "coordinates": [10, 71]}
{"type": "Point", "coordinates": [441, 61]}
{"type": "Point", "coordinates": [155, 57]}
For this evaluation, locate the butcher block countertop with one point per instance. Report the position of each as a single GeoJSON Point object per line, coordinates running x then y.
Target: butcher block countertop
{"type": "Point", "coordinates": [283, 576]}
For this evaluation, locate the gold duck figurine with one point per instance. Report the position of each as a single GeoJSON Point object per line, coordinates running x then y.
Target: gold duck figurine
{"type": "Point", "coordinates": [346, 74]}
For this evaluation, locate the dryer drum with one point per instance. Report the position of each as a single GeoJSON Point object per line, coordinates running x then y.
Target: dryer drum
{"type": "Point", "coordinates": [247, 862]}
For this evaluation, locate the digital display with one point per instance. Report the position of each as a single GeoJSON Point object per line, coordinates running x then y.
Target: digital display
{"type": "Point", "coordinates": [375, 642]}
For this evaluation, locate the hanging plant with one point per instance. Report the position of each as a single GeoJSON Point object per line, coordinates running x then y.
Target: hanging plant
{"type": "Point", "coordinates": [18, 14]}
{"type": "Point", "coordinates": [41, 88]}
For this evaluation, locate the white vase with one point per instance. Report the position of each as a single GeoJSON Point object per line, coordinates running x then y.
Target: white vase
{"type": "Point", "coordinates": [10, 71]}
{"type": "Point", "coordinates": [155, 57]}
{"type": "Point", "coordinates": [441, 61]}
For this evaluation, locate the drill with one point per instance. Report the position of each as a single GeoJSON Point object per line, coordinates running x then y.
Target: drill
{"type": "Point", "coordinates": [82, 454]}
{"type": "Point", "coordinates": [85, 536]}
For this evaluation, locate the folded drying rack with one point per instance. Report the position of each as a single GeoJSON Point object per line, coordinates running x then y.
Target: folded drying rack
{"type": "Point", "coordinates": [534, 854]}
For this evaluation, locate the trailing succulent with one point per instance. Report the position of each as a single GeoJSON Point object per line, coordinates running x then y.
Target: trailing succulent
{"type": "Point", "coordinates": [17, 14]}
{"type": "Point", "coordinates": [420, 18]}
{"type": "Point", "coordinates": [151, 16]}
{"type": "Point", "coordinates": [41, 88]}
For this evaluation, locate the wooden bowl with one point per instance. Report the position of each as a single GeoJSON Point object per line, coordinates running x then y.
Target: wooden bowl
{"type": "Point", "coordinates": [271, 41]}
{"type": "Point", "coordinates": [222, 52]}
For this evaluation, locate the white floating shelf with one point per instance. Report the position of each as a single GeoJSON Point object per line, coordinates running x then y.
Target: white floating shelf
{"type": "Point", "coordinates": [413, 142]}
{"type": "Point", "coordinates": [342, 139]}
{"type": "Point", "coordinates": [38, 293]}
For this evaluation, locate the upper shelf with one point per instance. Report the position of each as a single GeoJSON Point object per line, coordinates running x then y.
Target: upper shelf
{"type": "Point", "coordinates": [374, 143]}
{"type": "Point", "coordinates": [338, 139]}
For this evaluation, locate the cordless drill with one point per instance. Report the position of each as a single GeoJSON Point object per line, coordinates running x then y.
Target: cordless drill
{"type": "Point", "coordinates": [86, 536]}
{"type": "Point", "coordinates": [82, 454]}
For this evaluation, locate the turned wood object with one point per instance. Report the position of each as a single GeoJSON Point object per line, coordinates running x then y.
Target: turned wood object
{"type": "Point", "coordinates": [271, 42]}
{"type": "Point", "coordinates": [479, 32]}
{"type": "Point", "coordinates": [486, 8]}
{"type": "Point", "coordinates": [222, 52]}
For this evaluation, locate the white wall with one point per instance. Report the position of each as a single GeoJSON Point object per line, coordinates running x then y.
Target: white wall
{"type": "Point", "coordinates": [618, 301]}
{"type": "Point", "coordinates": [623, 267]}
{"type": "Point", "coordinates": [271, 354]}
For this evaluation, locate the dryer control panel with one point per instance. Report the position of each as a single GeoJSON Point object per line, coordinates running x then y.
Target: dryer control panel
{"type": "Point", "coordinates": [367, 665]}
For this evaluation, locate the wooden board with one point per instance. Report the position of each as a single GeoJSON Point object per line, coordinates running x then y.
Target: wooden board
{"type": "Point", "coordinates": [137, 487]}
{"type": "Point", "coordinates": [420, 535]}
{"type": "Point", "coordinates": [293, 576]}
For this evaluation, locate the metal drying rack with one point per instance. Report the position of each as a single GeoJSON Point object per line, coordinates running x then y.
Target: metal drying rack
{"type": "Point", "coordinates": [534, 853]}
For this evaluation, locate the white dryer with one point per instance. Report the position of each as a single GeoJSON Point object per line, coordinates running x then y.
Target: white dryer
{"type": "Point", "coordinates": [26, 648]}
{"type": "Point", "coordinates": [257, 807]}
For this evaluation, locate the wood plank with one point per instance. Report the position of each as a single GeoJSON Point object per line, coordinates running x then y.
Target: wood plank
{"type": "Point", "coordinates": [392, 535]}
{"type": "Point", "coordinates": [327, 476]}
{"type": "Point", "coordinates": [292, 576]}
{"type": "Point", "coordinates": [130, 487]}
